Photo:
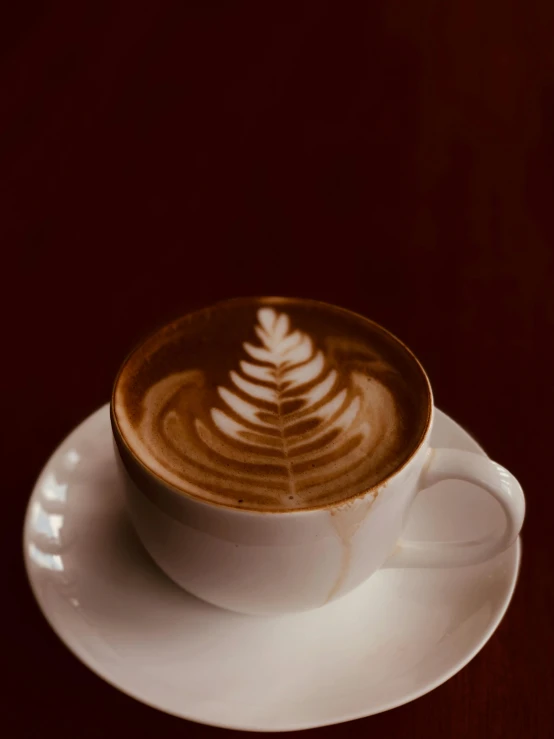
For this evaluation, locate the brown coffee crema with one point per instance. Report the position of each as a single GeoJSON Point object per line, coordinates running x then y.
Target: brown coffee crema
{"type": "Point", "coordinates": [272, 404]}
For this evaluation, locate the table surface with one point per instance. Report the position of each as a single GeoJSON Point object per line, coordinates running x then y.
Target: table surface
{"type": "Point", "coordinates": [394, 158]}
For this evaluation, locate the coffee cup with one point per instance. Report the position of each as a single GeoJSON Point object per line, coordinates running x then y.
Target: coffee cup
{"type": "Point", "coordinates": [272, 447]}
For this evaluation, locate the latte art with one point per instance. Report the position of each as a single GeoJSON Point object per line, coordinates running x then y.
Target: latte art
{"type": "Point", "coordinates": [297, 421]}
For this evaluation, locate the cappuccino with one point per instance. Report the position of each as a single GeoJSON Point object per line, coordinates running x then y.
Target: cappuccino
{"type": "Point", "coordinates": [271, 404]}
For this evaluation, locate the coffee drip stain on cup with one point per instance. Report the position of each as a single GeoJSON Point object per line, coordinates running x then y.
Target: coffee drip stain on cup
{"type": "Point", "coordinates": [271, 404]}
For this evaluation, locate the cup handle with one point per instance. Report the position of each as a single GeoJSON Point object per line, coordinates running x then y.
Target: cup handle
{"type": "Point", "coordinates": [447, 464]}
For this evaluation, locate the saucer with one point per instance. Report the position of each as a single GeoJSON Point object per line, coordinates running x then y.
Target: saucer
{"type": "Point", "coordinates": [396, 637]}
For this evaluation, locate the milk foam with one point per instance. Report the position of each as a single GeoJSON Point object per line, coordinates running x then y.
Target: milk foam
{"type": "Point", "coordinates": [295, 424]}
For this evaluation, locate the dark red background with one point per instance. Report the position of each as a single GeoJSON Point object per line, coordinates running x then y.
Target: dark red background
{"type": "Point", "coordinates": [393, 157]}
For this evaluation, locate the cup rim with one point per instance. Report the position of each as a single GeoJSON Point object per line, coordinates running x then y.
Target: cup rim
{"type": "Point", "coordinates": [116, 429]}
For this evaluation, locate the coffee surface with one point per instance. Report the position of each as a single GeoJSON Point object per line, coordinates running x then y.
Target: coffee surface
{"type": "Point", "coordinates": [271, 404]}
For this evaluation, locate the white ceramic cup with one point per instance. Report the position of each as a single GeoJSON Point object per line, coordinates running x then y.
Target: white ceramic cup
{"type": "Point", "coordinates": [276, 562]}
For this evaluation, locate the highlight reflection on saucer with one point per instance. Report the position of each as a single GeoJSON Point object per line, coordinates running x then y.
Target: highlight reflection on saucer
{"type": "Point", "coordinates": [72, 459]}
{"type": "Point", "coordinates": [47, 539]}
{"type": "Point", "coordinates": [54, 490]}
{"type": "Point", "coordinates": [43, 559]}
{"type": "Point", "coordinates": [47, 524]}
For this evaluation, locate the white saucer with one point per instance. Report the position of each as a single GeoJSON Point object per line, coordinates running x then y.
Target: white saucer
{"type": "Point", "coordinates": [395, 638]}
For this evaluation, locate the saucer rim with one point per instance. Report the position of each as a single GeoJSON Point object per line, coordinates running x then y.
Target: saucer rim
{"type": "Point", "coordinates": [74, 648]}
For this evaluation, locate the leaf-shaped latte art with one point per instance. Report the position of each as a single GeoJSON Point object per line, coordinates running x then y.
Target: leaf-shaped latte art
{"type": "Point", "coordinates": [290, 428]}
